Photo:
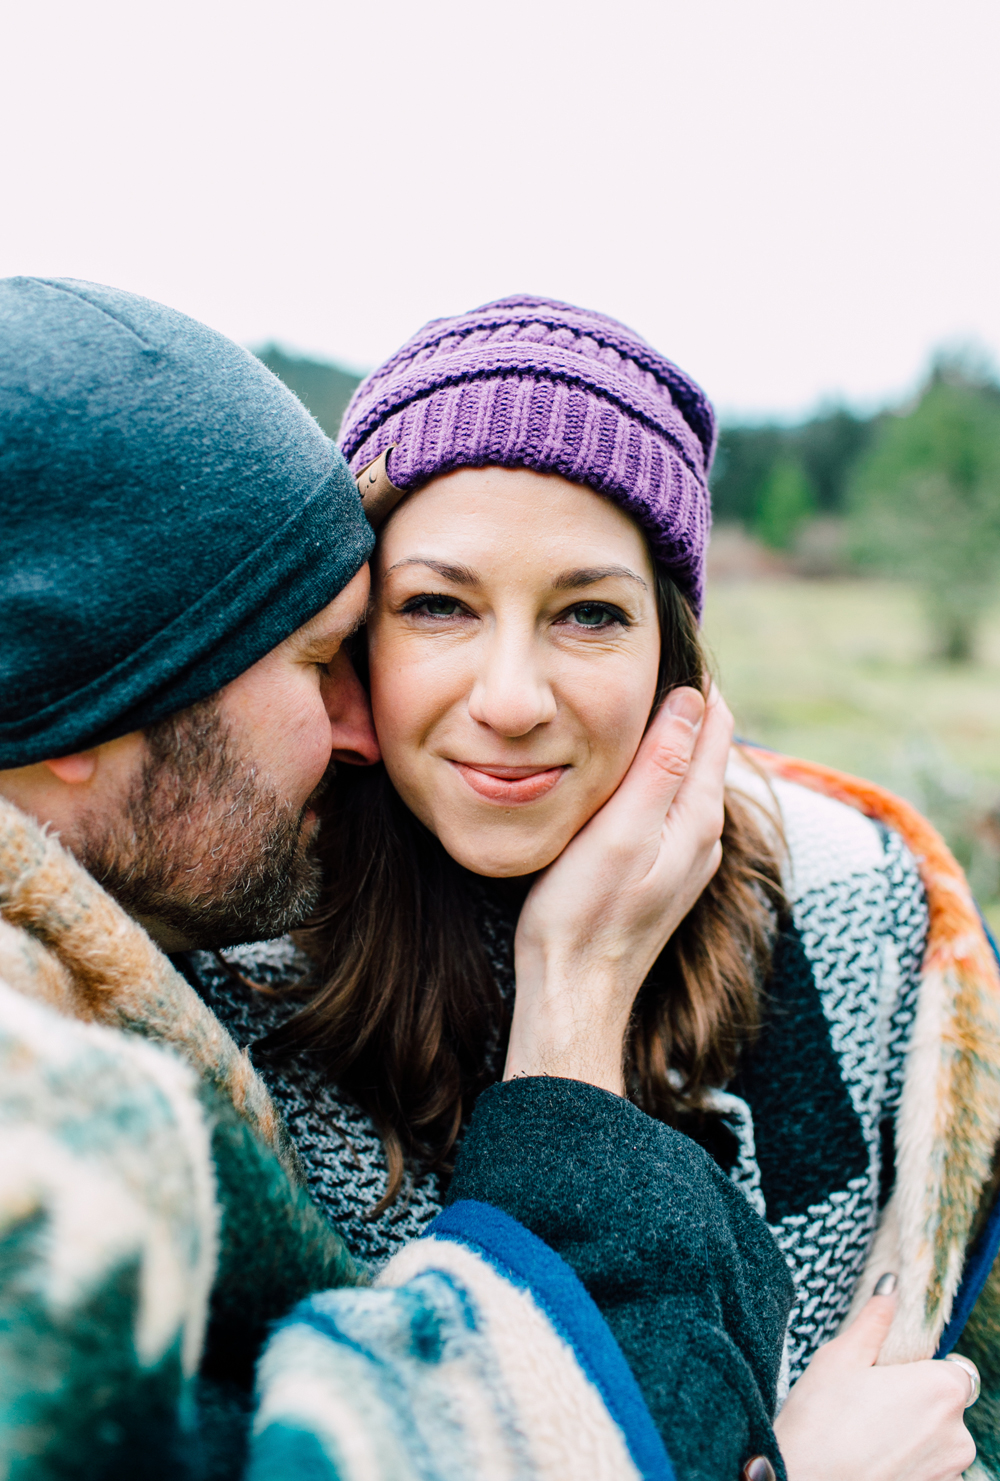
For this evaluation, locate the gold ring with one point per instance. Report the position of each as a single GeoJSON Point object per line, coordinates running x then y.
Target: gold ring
{"type": "Point", "coordinates": [973, 1372]}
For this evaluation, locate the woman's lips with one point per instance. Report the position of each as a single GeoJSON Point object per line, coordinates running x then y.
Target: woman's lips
{"type": "Point", "coordinates": [509, 784]}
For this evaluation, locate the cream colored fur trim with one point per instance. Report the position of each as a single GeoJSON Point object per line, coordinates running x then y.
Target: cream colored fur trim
{"type": "Point", "coordinates": [563, 1418]}
{"type": "Point", "coordinates": [302, 1384]}
{"type": "Point", "coordinates": [904, 1240]}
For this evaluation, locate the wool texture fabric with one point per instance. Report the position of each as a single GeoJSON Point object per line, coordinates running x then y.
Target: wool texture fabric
{"type": "Point", "coordinates": [533, 383]}
{"type": "Point", "coordinates": [170, 513]}
{"type": "Point", "coordinates": [689, 1280]}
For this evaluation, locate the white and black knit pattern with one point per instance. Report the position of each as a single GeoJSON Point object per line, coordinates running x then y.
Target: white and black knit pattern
{"type": "Point", "coordinates": [860, 915]}
{"type": "Point", "coordinates": [340, 1149]}
{"type": "Point", "coordinates": [825, 1248]}
{"type": "Point", "coordinates": [807, 1107]}
{"type": "Point", "coordinates": [864, 936]}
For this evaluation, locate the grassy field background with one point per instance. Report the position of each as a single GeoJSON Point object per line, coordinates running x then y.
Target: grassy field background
{"type": "Point", "coordinates": [839, 671]}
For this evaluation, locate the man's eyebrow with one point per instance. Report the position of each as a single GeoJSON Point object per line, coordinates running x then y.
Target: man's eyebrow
{"type": "Point", "coordinates": [588, 575]}
{"type": "Point", "coordinates": [334, 634]}
{"type": "Point", "coordinates": [460, 575]}
{"type": "Point", "coordinates": [358, 622]}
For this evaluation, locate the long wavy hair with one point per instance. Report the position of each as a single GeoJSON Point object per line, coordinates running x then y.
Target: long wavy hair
{"type": "Point", "coordinates": [409, 1017]}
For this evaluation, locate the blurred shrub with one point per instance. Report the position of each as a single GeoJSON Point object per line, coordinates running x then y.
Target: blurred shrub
{"type": "Point", "coordinates": [828, 448]}
{"type": "Point", "coordinates": [786, 502]}
{"type": "Point", "coordinates": [925, 502]}
{"type": "Point", "coordinates": [825, 450]}
{"type": "Point", "coordinates": [743, 460]}
{"type": "Point", "coordinates": [324, 388]}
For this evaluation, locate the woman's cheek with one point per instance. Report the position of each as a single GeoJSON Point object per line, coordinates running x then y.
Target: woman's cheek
{"type": "Point", "coordinates": [407, 706]}
{"type": "Point", "coordinates": [395, 698]}
{"type": "Point", "coordinates": [614, 722]}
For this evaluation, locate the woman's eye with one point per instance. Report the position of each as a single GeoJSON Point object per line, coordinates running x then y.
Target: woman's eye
{"type": "Point", "coordinates": [595, 614]}
{"type": "Point", "coordinates": [432, 606]}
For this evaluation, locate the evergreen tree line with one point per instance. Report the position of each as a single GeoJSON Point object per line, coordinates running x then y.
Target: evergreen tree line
{"type": "Point", "coordinates": [917, 488]}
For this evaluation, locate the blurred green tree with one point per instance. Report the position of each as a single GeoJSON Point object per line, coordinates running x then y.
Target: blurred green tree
{"type": "Point", "coordinates": [786, 501]}
{"type": "Point", "coordinates": [925, 502]}
{"type": "Point", "coordinates": [829, 445]}
{"type": "Point", "coordinates": [743, 460]}
{"type": "Point", "coordinates": [826, 448]}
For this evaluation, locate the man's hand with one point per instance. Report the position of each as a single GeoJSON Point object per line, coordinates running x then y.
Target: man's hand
{"type": "Point", "coordinates": [597, 919]}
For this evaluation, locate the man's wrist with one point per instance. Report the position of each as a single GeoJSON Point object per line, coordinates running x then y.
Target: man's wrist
{"type": "Point", "coordinates": [584, 1071]}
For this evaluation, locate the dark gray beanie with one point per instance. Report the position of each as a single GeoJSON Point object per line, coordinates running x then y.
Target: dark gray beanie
{"type": "Point", "coordinates": [169, 512]}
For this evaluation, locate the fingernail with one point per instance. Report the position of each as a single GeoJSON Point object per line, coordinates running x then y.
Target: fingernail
{"type": "Point", "coordinates": [885, 1285]}
{"type": "Point", "coordinates": [758, 1468]}
{"type": "Point", "coordinates": [686, 704]}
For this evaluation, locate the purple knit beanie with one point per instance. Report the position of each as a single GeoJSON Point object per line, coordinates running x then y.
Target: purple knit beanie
{"type": "Point", "coordinates": [533, 383]}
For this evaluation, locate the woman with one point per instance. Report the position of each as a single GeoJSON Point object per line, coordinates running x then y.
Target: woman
{"type": "Point", "coordinates": [536, 597]}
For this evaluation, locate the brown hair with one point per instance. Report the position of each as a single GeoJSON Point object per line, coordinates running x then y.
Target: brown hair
{"type": "Point", "coordinates": [409, 1009]}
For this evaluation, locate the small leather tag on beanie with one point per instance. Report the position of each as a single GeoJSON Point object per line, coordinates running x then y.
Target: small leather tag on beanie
{"type": "Point", "coordinates": [379, 496]}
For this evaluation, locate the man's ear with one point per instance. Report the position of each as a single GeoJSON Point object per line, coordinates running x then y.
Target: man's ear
{"type": "Point", "coordinates": [74, 769]}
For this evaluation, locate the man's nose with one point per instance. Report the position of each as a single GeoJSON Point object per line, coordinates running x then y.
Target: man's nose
{"type": "Point", "coordinates": [351, 727]}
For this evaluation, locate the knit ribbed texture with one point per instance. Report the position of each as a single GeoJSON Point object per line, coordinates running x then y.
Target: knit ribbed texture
{"type": "Point", "coordinates": [528, 382]}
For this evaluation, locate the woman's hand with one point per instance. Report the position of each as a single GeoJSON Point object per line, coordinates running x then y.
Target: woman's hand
{"type": "Point", "coordinates": [846, 1420]}
{"type": "Point", "coordinates": [599, 916]}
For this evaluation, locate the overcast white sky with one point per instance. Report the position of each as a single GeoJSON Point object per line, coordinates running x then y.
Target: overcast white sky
{"type": "Point", "coordinates": [795, 199]}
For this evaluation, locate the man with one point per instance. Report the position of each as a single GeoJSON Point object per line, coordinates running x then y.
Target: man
{"type": "Point", "coordinates": [183, 558]}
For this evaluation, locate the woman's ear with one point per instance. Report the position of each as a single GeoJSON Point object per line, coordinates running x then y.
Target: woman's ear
{"type": "Point", "coordinates": [74, 770]}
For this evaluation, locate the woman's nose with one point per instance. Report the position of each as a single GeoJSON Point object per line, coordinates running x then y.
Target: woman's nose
{"type": "Point", "coordinates": [511, 694]}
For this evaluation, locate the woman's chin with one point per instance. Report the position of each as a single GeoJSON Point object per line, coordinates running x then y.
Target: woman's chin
{"type": "Point", "coordinates": [502, 863]}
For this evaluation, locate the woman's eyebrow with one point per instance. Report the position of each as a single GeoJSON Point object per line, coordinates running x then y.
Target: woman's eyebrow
{"type": "Point", "coordinates": [461, 575]}
{"type": "Point", "coordinates": [589, 574]}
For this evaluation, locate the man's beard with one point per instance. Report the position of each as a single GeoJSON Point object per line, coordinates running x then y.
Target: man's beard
{"type": "Point", "coordinates": [202, 844]}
